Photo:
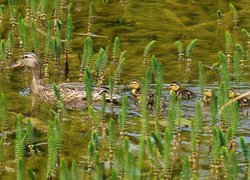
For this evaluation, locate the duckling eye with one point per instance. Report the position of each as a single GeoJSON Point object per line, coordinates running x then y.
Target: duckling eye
{"type": "Point", "coordinates": [25, 56]}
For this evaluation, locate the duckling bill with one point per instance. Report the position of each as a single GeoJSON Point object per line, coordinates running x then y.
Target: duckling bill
{"type": "Point", "coordinates": [180, 91]}
{"type": "Point", "coordinates": [73, 95]}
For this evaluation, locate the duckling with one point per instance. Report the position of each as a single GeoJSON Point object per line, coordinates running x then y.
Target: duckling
{"type": "Point", "coordinates": [243, 102]}
{"type": "Point", "coordinates": [134, 85]}
{"type": "Point", "coordinates": [181, 92]}
{"type": "Point", "coordinates": [72, 94]}
{"type": "Point", "coordinates": [207, 94]}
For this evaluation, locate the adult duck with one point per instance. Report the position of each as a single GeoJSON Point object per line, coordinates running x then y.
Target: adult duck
{"type": "Point", "coordinates": [72, 94]}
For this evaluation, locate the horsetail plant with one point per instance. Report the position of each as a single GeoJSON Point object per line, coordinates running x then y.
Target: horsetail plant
{"type": "Point", "coordinates": [91, 11]}
{"type": "Point", "coordinates": [91, 153]}
{"type": "Point", "coordinates": [186, 170]}
{"type": "Point", "coordinates": [180, 50]}
{"type": "Point", "coordinates": [42, 6]}
{"type": "Point", "coordinates": [147, 49]}
{"type": "Point", "coordinates": [234, 14]}
{"type": "Point", "coordinates": [167, 152]}
{"type": "Point", "coordinates": [123, 116]}
{"type": "Point", "coordinates": [201, 77]}
{"type": "Point", "coordinates": [12, 10]}
{"type": "Point", "coordinates": [20, 138]}
{"type": "Point", "coordinates": [57, 47]}
{"type": "Point", "coordinates": [34, 37]}
{"type": "Point", "coordinates": [31, 174]}
{"type": "Point", "coordinates": [112, 141]}
{"type": "Point", "coordinates": [88, 82]}
{"type": "Point", "coordinates": [236, 68]}
{"type": "Point", "coordinates": [189, 48]}
{"type": "Point", "coordinates": [4, 117]}
{"type": "Point", "coordinates": [100, 65]}
{"type": "Point", "coordinates": [244, 148]}
{"type": "Point", "coordinates": [1, 20]}
{"type": "Point", "coordinates": [68, 41]}
{"type": "Point", "coordinates": [47, 50]}
{"type": "Point", "coordinates": [20, 169]}
{"type": "Point", "coordinates": [219, 21]}
{"type": "Point", "coordinates": [30, 136]}
{"type": "Point", "coordinates": [74, 175]}
{"type": "Point", "coordinates": [64, 170]}
{"type": "Point", "coordinates": [23, 43]}
{"type": "Point", "coordinates": [116, 48]}
{"type": "Point", "coordinates": [86, 56]}
{"type": "Point", "coordinates": [119, 66]}
{"type": "Point", "coordinates": [153, 158]}
{"type": "Point", "coordinates": [59, 102]}
{"type": "Point", "coordinates": [242, 53]}
{"type": "Point", "coordinates": [213, 107]}
{"type": "Point", "coordinates": [1, 149]}
{"type": "Point", "coordinates": [228, 46]}
{"type": "Point", "coordinates": [9, 45]}
{"type": "Point", "coordinates": [94, 118]}
{"type": "Point", "coordinates": [223, 69]}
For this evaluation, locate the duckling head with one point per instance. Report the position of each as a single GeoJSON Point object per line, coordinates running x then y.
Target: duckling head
{"type": "Point", "coordinates": [207, 92]}
{"type": "Point", "coordinates": [233, 93]}
{"type": "Point", "coordinates": [28, 59]}
{"type": "Point", "coordinates": [134, 84]}
{"type": "Point", "coordinates": [174, 86]}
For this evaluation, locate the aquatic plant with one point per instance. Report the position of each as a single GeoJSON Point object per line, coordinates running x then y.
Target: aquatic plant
{"type": "Point", "coordinates": [100, 65]}
{"type": "Point", "coordinates": [244, 148]}
{"type": "Point", "coordinates": [47, 49]}
{"type": "Point", "coordinates": [20, 138]}
{"type": "Point", "coordinates": [1, 20]}
{"type": "Point", "coordinates": [190, 47]}
{"type": "Point", "coordinates": [122, 116]}
{"type": "Point", "coordinates": [223, 69]}
{"type": "Point", "coordinates": [74, 174]}
{"type": "Point", "coordinates": [186, 170]}
{"type": "Point", "coordinates": [119, 66]}
{"type": "Point", "coordinates": [20, 169]}
{"type": "Point", "coordinates": [64, 170]}
{"type": "Point", "coordinates": [112, 141]}
{"type": "Point", "coordinates": [4, 116]}
{"type": "Point", "coordinates": [88, 82]}
{"type": "Point", "coordinates": [42, 7]}
{"type": "Point", "coordinates": [68, 41]}
{"type": "Point", "coordinates": [116, 48]}
{"type": "Point", "coordinates": [91, 11]}
{"type": "Point", "coordinates": [23, 36]}
{"type": "Point", "coordinates": [57, 48]}
{"type": "Point", "coordinates": [31, 174]}
{"type": "Point", "coordinates": [236, 68]}
{"type": "Point", "coordinates": [9, 45]}
{"type": "Point", "coordinates": [234, 14]}
{"type": "Point", "coordinates": [228, 46]}
{"type": "Point", "coordinates": [242, 53]}
{"type": "Point", "coordinates": [95, 120]}
{"type": "Point", "coordinates": [1, 149]}
{"type": "Point", "coordinates": [30, 136]}
{"type": "Point", "coordinates": [180, 50]}
{"type": "Point", "coordinates": [12, 10]}
{"type": "Point", "coordinates": [2, 51]}
{"type": "Point", "coordinates": [86, 56]}
{"type": "Point", "coordinates": [59, 102]}
{"type": "Point", "coordinates": [167, 152]}
{"type": "Point", "coordinates": [147, 49]}
{"type": "Point", "coordinates": [201, 77]}
{"type": "Point", "coordinates": [213, 107]}
{"type": "Point", "coordinates": [34, 38]}
{"type": "Point", "coordinates": [54, 146]}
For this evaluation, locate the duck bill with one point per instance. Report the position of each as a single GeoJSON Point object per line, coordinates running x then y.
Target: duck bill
{"type": "Point", "coordinates": [14, 65]}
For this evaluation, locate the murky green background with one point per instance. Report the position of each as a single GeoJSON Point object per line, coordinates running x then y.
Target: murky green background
{"type": "Point", "coordinates": [136, 22]}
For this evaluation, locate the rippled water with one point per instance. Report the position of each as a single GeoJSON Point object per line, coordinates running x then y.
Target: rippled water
{"type": "Point", "coordinates": [136, 23]}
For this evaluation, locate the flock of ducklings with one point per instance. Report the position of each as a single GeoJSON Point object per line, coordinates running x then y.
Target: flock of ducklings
{"type": "Point", "coordinates": [74, 95]}
{"type": "Point", "coordinates": [185, 94]}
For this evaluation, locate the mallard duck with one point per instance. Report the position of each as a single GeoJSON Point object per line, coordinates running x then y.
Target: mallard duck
{"type": "Point", "coordinates": [243, 102]}
{"type": "Point", "coordinates": [72, 94]}
{"type": "Point", "coordinates": [134, 85]}
{"type": "Point", "coordinates": [180, 91]}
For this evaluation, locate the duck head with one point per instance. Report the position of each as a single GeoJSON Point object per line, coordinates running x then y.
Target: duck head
{"type": "Point", "coordinates": [29, 60]}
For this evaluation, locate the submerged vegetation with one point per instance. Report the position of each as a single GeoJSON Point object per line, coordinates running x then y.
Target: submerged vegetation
{"type": "Point", "coordinates": [150, 136]}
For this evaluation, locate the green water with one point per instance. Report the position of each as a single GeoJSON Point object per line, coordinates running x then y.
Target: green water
{"type": "Point", "coordinates": [136, 23]}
